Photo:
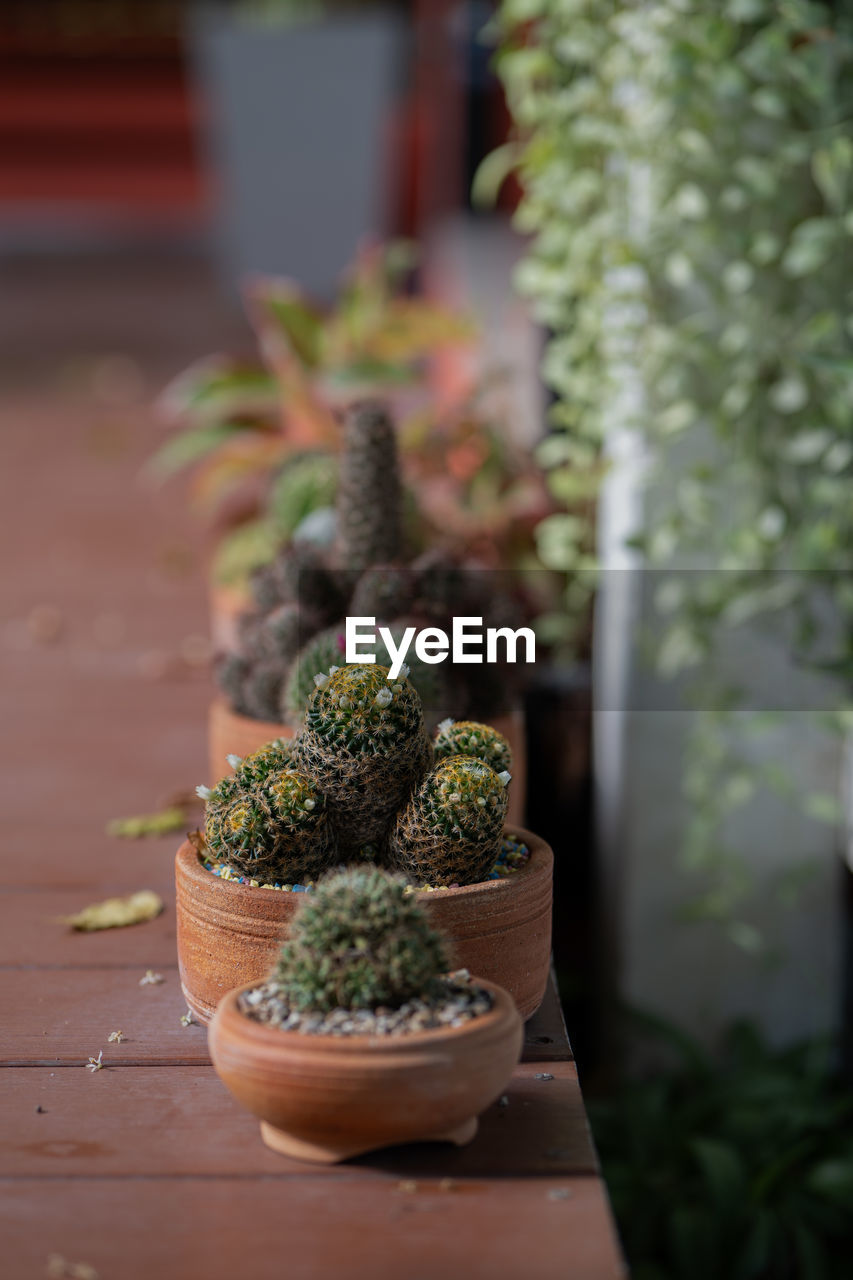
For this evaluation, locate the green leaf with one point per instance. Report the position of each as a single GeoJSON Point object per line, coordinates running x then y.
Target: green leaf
{"type": "Point", "coordinates": [189, 446]}
{"type": "Point", "coordinates": [492, 172]}
{"type": "Point", "coordinates": [722, 1169]}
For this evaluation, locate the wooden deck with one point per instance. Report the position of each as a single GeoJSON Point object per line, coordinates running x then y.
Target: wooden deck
{"type": "Point", "coordinates": [148, 1168]}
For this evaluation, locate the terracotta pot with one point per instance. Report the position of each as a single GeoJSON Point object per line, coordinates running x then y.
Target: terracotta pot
{"type": "Point", "coordinates": [226, 604]}
{"type": "Point", "coordinates": [326, 1098]}
{"type": "Point", "coordinates": [230, 934]}
{"type": "Point", "coordinates": [229, 733]}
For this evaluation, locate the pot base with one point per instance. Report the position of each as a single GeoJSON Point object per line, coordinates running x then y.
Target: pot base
{"type": "Point", "coordinates": [321, 1153]}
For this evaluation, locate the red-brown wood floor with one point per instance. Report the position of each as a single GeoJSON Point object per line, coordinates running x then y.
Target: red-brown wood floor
{"type": "Point", "coordinates": [148, 1168]}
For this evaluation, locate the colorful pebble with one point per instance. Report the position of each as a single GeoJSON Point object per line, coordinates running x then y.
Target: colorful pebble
{"type": "Point", "coordinates": [514, 853]}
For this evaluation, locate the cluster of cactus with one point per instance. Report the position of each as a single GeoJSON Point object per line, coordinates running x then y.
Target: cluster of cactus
{"type": "Point", "coordinates": [302, 598]}
{"type": "Point", "coordinates": [267, 816]}
{"type": "Point", "coordinates": [363, 781]}
{"type": "Point", "coordinates": [360, 942]}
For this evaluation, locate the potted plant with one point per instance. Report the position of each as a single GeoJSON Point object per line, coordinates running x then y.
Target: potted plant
{"type": "Point", "coordinates": [359, 1038]}
{"type": "Point", "coordinates": [301, 601]}
{"type": "Point", "coordinates": [362, 779]}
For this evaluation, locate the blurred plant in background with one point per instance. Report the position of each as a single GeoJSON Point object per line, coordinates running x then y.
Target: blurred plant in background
{"type": "Point", "coordinates": [261, 439]}
{"type": "Point", "coordinates": [738, 1166]}
{"type": "Point", "coordinates": [688, 179]}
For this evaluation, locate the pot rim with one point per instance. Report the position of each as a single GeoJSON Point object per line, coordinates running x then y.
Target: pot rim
{"type": "Point", "coordinates": [220, 706]}
{"type": "Point", "coordinates": [263, 1037]}
{"type": "Point", "coordinates": [539, 862]}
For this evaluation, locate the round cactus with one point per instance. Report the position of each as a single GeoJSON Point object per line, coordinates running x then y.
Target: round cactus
{"type": "Point", "coordinates": [450, 831]}
{"type": "Point", "coordinates": [364, 743]}
{"type": "Point", "coordinates": [324, 650]}
{"type": "Point", "coordinates": [269, 821]}
{"type": "Point", "coordinates": [383, 592]}
{"type": "Point", "coordinates": [471, 738]}
{"type": "Point", "coordinates": [360, 942]}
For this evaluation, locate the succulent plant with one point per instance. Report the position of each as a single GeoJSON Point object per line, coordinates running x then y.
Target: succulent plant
{"type": "Point", "coordinates": [269, 821]}
{"type": "Point", "coordinates": [450, 831]}
{"type": "Point", "coordinates": [360, 942]}
{"type": "Point", "coordinates": [383, 592]}
{"type": "Point", "coordinates": [365, 745]}
{"type": "Point", "coordinates": [324, 650]}
{"type": "Point", "coordinates": [471, 738]}
{"type": "Point", "coordinates": [370, 525]}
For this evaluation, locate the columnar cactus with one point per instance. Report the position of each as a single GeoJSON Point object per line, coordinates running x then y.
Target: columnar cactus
{"type": "Point", "coordinates": [370, 525]}
{"type": "Point", "coordinates": [365, 745]}
{"type": "Point", "coordinates": [269, 821]}
{"type": "Point", "coordinates": [471, 738]}
{"type": "Point", "coordinates": [359, 942]}
{"type": "Point", "coordinates": [450, 831]}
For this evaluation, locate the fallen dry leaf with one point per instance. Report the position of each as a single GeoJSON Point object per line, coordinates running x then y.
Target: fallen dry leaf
{"type": "Point", "coordinates": [115, 913]}
{"type": "Point", "coordinates": [149, 824]}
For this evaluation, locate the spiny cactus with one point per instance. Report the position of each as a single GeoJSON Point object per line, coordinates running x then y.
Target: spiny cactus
{"type": "Point", "coordinates": [369, 503]}
{"type": "Point", "coordinates": [471, 738]}
{"type": "Point", "coordinates": [450, 831]}
{"type": "Point", "coordinates": [269, 821]}
{"type": "Point", "coordinates": [383, 592]}
{"type": "Point", "coordinates": [360, 942]}
{"type": "Point", "coordinates": [365, 745]}
{"type": "Point", "coordinates": [325, 649]}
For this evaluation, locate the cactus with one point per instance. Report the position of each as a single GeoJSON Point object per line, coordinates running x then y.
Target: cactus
{"type": "Point", "coordinates": [261, 691]}
{"type": "Point", "coordinates": [383, 592]}
{"type": "Point", "coordinates": [359, 942]}
{"type": "Point", "coordinates": [450, 831]}
{"type": "Point", "coordinates": [269, 821]}
{"type": "Point", "coordinates": [369, 490]}
{"type": "Point", "coordinates": [471, 738]}
{"type": "Point", "coordinates": [364, 743]}
{"type": "Point", "coordinates": [325, 649]}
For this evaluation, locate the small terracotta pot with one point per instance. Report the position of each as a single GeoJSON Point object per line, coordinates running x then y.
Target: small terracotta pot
{"type": "Point", "coordinates": [231, 733]}
{"type": "Point", "coordinates": [327, 1098]}
{"type": "Point", "coordinates": [230, 934]}
{"type": "Point", "coordinates": [226, 605]}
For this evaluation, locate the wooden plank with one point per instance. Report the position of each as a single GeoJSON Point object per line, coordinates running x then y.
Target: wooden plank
{"type": "Point", "coordinates": [159, 1121]}
{"type": "Point", "coordinates": [62, 1017]}
{"type": "Point", "coordinates": [33, 933]}
{"type": "Point", "coordinates": [174, 1228]}
{"type": "Point", "coordinates": [545, 1036]}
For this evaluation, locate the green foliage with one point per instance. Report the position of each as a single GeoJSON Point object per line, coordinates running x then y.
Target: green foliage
{"type": "Point", "coordinates": [688, 179]}
{"type": "Point", "coordinates": [450, 831]}
{"type": "Point", "coordinates": [741, 1167]}
{"type": "Point", "coordinates": [360, 941]}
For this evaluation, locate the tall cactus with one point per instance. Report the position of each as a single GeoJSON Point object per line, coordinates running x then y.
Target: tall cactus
{"type": "Point", "coordinates": [370, 521]}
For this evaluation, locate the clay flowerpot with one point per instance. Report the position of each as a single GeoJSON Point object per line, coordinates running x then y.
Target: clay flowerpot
{"type": "Point", "coordinates": [227, 604]}
{"type": "Point", "coordinates": [326, 1098]}
{"type": "Point", "coordinates": [229, 733]}
{"type": "Point", "coordinates": [230, 934]}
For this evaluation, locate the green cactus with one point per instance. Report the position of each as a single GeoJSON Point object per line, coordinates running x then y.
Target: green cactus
{"type": "Point", "coordinates": [450, 831]}
{"type": "Point", "coordinates": [360, 942]}
{"type": "Point", "coordinates": [269, 821]}
{"type": "Point", "coordinates": [383, 592]}
{"type": "Point", "coordinates": [471, 738]}
{"type": "Point", "coordinates": [369, 503]}
{"type": "Point", "coordinates": [364, 743]}
{"type": "Point", "coordinates": [324, 650]}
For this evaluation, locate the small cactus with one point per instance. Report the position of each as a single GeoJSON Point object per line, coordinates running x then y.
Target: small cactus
{"type": "Point", "coordinates": [269, 821]}
{"type": "Point", "coordinates": [359, 942]}
{"type": "Point", "coordinates": [383, 592]}
{"type": "Point", "coordinates": [471, 738]}
{"type": "Point", "coordinates": [365, 745]}
{"type": "Point", "coordinates": [325, 649]}
{"type": "Point", "coordinates": [450, 831]}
